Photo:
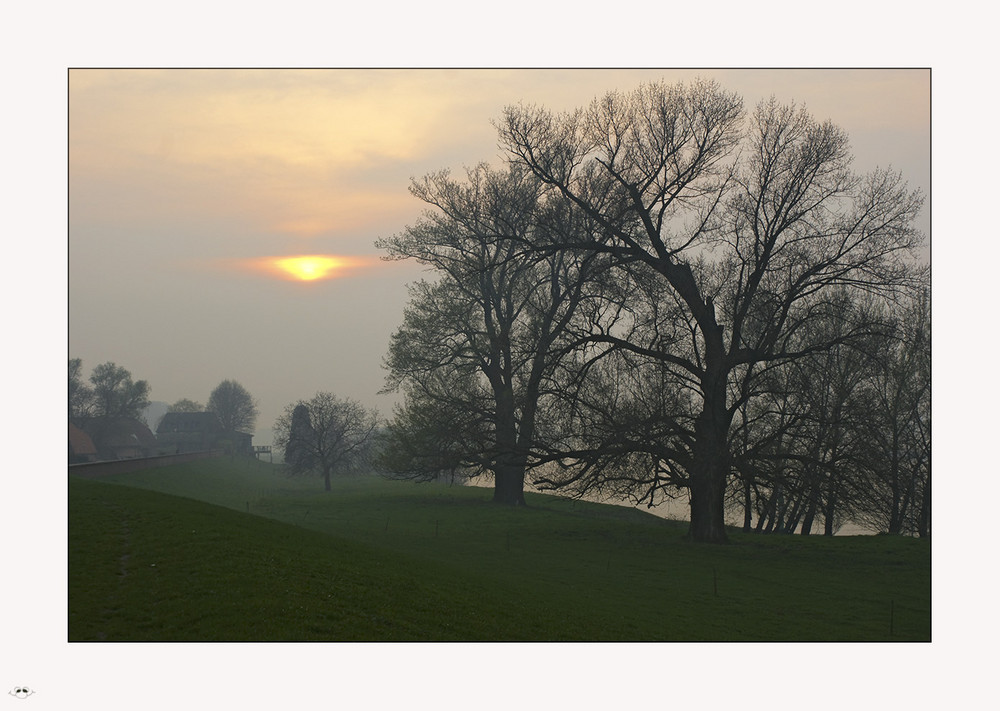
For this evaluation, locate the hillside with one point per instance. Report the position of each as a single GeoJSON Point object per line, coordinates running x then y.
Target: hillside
{"type": "Point", "coordinates": [250, 555]}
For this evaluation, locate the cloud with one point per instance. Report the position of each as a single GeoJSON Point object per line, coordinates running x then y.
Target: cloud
{"type": "Point", "coordinates": [304, 152]}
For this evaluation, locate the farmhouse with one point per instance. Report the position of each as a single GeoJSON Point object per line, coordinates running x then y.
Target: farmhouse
{"type": "Point", "coordinates": [180, 432]}
{"type": "Point", "coordinates": [112, 438]}
{"type": "Point", "coordinates": [81, 447]}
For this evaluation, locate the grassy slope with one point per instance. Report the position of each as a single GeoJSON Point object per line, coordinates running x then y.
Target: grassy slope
{"type": "Point", "coordinates": [144, 566]}
{"type": "Point", "coordinates": [394, 560]}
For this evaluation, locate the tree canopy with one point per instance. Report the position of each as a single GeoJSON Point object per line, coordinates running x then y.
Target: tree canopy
{"type": "Point", "coordinates": [186, 405]}
{"type": "Point", "coordinates": [481, 344]}
{"type": "Point", "coordinates": [749, 228]}
{"type": "Point", "coordinates": [113, 393]}
{"type": "Point", "coordinates": [235, 407]}
{"type": "Point", "coordinates": [736, 250]}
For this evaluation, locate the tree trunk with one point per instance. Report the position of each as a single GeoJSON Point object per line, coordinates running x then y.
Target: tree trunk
{"type": "Point", "coordinates": [828, 512]}
{"type": "Point", "coordinates": [810, 515]}
{"type": "Point", "coordinates": [766, 518]}
{"type": "Point", "coordinates": [747, 504]}
{"type": "Point", "coordinates": [895, 476]}
{"type": "Point", "coordinates": [508, 486]}
{"type": "Point", "coordinates": [924, 519]}
{"type": "Point", "coordinates": [711, 448]}
{"type": "Point", "coordinates": [326, 478]}
{"type": "Point", "coordinates": [812, 505]}
{"type": "Point", "coordinates": [780, 509]}
{"type": "Point", "coordinates": [508, 473]}
{"type": "Point", "coordinates": [708, 481]}
{"type": "Point", "coordinates": [707, 513]}
{"type": "Point", "coordinates": [792, 520]}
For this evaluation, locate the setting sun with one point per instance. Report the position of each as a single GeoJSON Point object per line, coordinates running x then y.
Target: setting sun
{"type": "Point", "coordinates": [309, 268]}
{"type": "Point", "coordinates": [304, 267]}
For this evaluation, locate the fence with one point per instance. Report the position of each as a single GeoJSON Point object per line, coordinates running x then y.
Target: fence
{"type": "Point", "coordinates": [95, 470]}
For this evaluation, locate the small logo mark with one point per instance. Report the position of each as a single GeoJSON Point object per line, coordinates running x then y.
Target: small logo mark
{"type": "Point", "coordinates": [21, 692]}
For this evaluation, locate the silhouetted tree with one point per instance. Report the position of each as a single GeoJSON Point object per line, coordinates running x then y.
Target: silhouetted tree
{"type": "Point", "coordinates": [81, 396]}
{"type": "Point", "coordinates": [115, 394]}
{"type": "Point", "coordinates": [234, 406]}
{"type": "Point", "coordinates": [751, 228]}
{"type": "Point", "coordinates": [482, 341]}
{"type": "Point", "coordinates": [895, 435]}
{"type": "Point", "coordinates": [796, 444]}
{"type": "Point", "coordinates": [326, 435]}
{"type": "Point", "coordinates": [186, 405]}
{"type": "Point", "coordinates": [429, 437]}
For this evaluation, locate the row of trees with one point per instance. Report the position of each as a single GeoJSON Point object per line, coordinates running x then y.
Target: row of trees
{"type": "Point", "coordinates": [660, 293]}
{"type": "Point", "coordinates": [113, 394]}
{"type": "Point", "coordinates": [325, 435]}
{"type": "Point", "coordinates": [843, 434]}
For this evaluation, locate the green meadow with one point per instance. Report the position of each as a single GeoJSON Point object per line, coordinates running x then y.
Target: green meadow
{"type": "Point", "coordinates": [224, 550]}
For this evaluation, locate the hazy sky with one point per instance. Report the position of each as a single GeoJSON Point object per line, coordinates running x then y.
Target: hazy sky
{"type": "Point", "coordinates": [185, 184]}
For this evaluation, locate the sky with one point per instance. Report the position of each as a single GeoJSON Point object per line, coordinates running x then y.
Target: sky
{"type": "Point", "coordinates": [188, 187]}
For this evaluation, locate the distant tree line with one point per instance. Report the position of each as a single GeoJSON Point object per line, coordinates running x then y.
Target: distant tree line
{"type": "Point", "coordinates": [325, 435]}
{"type": "Point", "coordinates": [661, 294]}
{"type": "Point", "coordinates": [111, 393]}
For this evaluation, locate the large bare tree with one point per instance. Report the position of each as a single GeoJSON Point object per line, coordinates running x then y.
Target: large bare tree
{"type": "Point", "coordinates": [481, 342]}
{"type": "Point", "coordinates": [750, 223]}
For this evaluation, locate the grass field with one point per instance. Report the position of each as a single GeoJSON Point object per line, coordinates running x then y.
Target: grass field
{"type": "Point", "coordinates": [221, 550]}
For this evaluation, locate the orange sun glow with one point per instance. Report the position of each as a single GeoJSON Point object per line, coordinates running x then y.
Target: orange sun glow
{"type": "Point", "coordinates": [309, 268]}
{"type": "Point", "coordinates": [305, 267]}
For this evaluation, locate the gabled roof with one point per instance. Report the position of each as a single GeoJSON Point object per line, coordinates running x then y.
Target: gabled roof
{"type": "Point", "coordinates": [117, 432]}
{"type": "Point", "coordinates": [79, 442]}
{"type": "Point", "coordinates": [189, 422]}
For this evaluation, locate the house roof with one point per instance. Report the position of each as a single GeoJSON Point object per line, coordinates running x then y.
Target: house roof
{"type": "Point", "coordinates": [189, 422]}
{"type": "Point", "coordinates": [117, 432]}
{"type": "Point", "coordinates": [79, 442]}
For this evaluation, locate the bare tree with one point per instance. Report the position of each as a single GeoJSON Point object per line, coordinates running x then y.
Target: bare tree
{"type": "Point", "coordinates": [896, 436]}
{"type": "Point", "coordinates": [750, 227]}
{"type": "Point", "coordinates": [796, 444]}
{"type": "Point", "coordinates": [235, 407]}
{"type": "Point", "coordinates": [326, 435]}
{"type": "Point", "coordinates": [482, 341]}
{"type": "Point", "coordinates": [429, 437]}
